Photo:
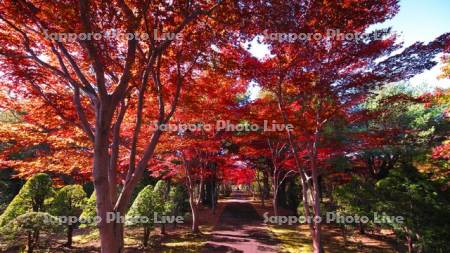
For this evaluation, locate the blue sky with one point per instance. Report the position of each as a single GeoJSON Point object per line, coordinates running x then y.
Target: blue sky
{"type": "Point", "coordinates": [417, 20]}
{"type": "Point", "coordinates": [423, 20]}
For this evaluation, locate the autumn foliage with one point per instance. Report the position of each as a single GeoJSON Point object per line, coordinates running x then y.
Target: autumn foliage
{"type": "Point", "coordinates": [97, 109]}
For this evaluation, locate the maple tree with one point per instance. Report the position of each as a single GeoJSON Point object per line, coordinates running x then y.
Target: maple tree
{"type": "Point", "coordinates": [323, 80]}
{"type": "Point", "coordinates": [96, 84]}
{"type": "Point", "coordinates": [266, 148]}
{"type": "Point", "coordinates": [191, 152]}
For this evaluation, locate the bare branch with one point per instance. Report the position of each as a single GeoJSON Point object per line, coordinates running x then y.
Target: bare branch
{"type": "Point", "coordinates": [87, 86]}
{"type": "Point", "coordinates": [156, 74]}
{"type": "Point", "coordinates": [91, 48]}
{"type": "Point", "coordinates": [86, 126]}
{"type": "Point", "coordinates": [112, 170]}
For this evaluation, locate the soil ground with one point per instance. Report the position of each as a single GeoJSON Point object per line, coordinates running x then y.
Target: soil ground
{"type": "Point", "coordinates": [241, 229]}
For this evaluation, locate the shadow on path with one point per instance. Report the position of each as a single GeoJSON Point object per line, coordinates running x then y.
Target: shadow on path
{"type": "Point", "coordinates": [240, 229]}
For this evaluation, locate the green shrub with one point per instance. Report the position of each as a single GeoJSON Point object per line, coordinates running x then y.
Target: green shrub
{"type": "Point", "coordinates": [162, 189]}
{"type": "Point", "coordinates": [424, 208]}
{"type": "Point", "coordinates": [89, 211]}
{"type": "Point", "coordinates": [180, 199]}
{"type": "Point", "coordinates": [31, 224]}
{"type": "Point", "coordinates": [356, 198]}
{"type": "Point", "coordinates": [31, 197]}
{"type": "Point", "coordinates": [69, 202]}
{"type": "Point", "coordinates": [147, 203]}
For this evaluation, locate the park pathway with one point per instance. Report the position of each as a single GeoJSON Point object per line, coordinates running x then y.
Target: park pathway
{"type": "Point", "coordinates": [240, 229]}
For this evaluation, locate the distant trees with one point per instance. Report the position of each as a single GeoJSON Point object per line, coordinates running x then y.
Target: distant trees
{"type": "Point", "coordinates": [162, 188]}
{"type": "Point", "coordinates": [9, 187]}
{"type": "Point", "coordinates": [179, 200]}
{"type": "Point", "coordinates": [396, 172]}
{"type": "Point", "coordinates": [405, 193]}
{"type": "Point", "coordinates": [356, 198]}
{"type": "Point", "coordinates": [424, 207]}
{"type": "Point", "coordinates": [318, 82]}
{"type": "Point", "coordinates": [399, 127]}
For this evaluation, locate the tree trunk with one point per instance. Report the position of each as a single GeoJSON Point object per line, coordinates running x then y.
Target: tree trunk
{"type": "Point", "coordinates": [306, 202]}
{"type": "Point", "coordinates": [261, 193]}
{"type": "Point", "coordinates": [314, 227]}
{"type": "Point", "coordinates": [320, 187]}
{"type": "Point", "coordinates": [317, 242]}
{"type": "Point", "coordinates": [361, 228]}
{"type": "Point", "coordinates": [200, 190]}
{"type": "Point", "coordinates": [69, 236]}
{"type": "Point", "coordinates": [281, 194]}
{"type": "Point", "coordinates": [275, 187]}
{"type": "Point", "coordinates": [192, 201]}
{"type": "Point", "coordinates": [275, 204]}
{"type": "Point", "coordinates": [111, 232]}
{"type": "Point", "coordinates": [36, 237]}
{"type": "Point", "coordinates": [146, 236]}
{"type": "Point", "coordinates": [410, 244]}
{"type": "Point", "coordinates": [194, 211]}
{"type": "Point", "coordinates": [107, 229]}
{"type": "Point", "coordinates": [119, 235]}
{"type": "Point", "coordinates": [213, 195]}
{"type": "Point", "coordinates": [30, 244]}
{"type": "Point", "coordinates": [266, 188]}
{"type": "Point", "coordinates": [163, 228]}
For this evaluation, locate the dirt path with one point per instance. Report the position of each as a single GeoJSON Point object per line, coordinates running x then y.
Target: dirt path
{"type": "Point", "coordinates": [240, 229]}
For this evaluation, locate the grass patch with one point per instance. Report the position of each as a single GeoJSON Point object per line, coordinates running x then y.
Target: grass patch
{"type": "Point", "coordinates": [184, 243]}
{"type": "Point", "coordinates": [292, 240]}
{"type": "Point", "coordinates": [87, 236]}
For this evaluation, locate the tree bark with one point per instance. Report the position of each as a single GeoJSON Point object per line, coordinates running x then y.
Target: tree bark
{"type": "Point", "coordinates": [36, 234]}
{"type": "Point", "coordinates": [200, 189]}
{"type": "Point", "coordinates": [314, 226]}
{"type": "Point", "coordinates": [361, 228]}
{"type": "Point", "coordinates": [30, 244]}
{"type": "Point", "coordinates": [69, 236]}
{"type": "Point", "coordinates": [275, 204]}
{"type": "Point", "coordinates": [194, 211]}
{"type": "Point", "coordinates": [213, 194]}
{"type": "Point", "coordinates": [317, 242]}
{"type": "Point", "coordinates": [410, 244]}
{"type": "Point", "coordinates": [104, 204]}
{"type": "Point", "coordinates": [275, 193]}
{"type": "Point", "coordinates": [146, 236]}
{"type": "Point", "coordinates": [281, 194]}
{"type": "Point", "coordinates": [163, 228]}
{"type": "Point", "coordinates": [266, 188]}
{"type": "Point", "coordinates": [191, 190]}
{"type": "Point", "coordinates": [260, 188]}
